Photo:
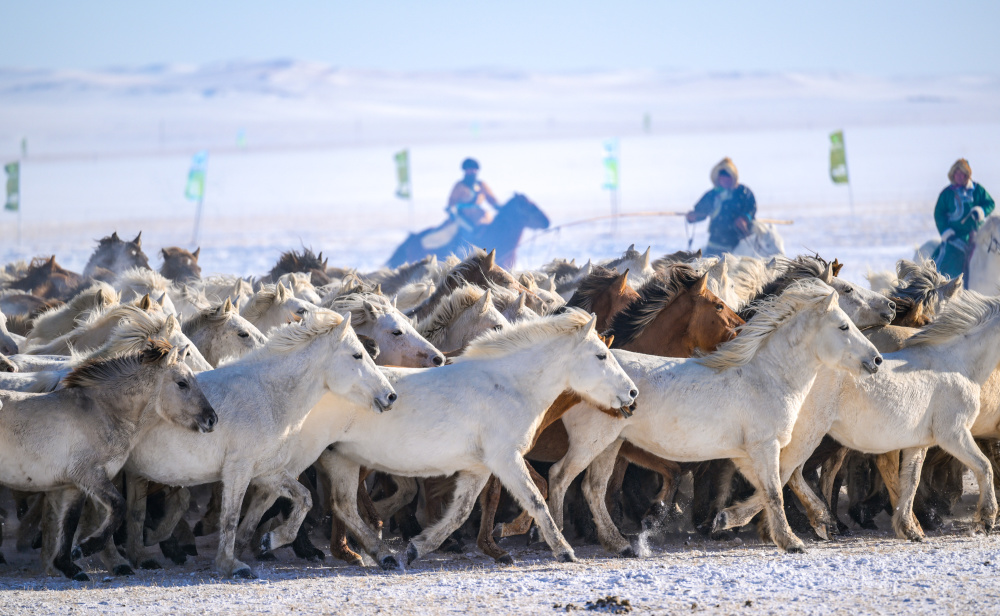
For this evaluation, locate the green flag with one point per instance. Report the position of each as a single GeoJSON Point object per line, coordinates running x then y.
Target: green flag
{"type": "Point", "coordinates": [611, 164]}
{"type": "Point", "coordinates": [838, 158]}
{"type": "Point", "coordinates": [195, 189]}
{"type": "Point", "coordinates": [13, 202]}
{"type": "Point", "coordinates": [403, 174]}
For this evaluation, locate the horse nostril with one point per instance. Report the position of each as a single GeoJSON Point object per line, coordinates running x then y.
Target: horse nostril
{"type": "Point", "coordinates": [633, 393]}
{"type": "Point", "coordinates": [438, 360]}
{"type": "Point", "coordinates": [392, 397]}
{"type": "Point", "coordinates": [878, 361]}
{"type": "Point", "coordinates": [892, 306]}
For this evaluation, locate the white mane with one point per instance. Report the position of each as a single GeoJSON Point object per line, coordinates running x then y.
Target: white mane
{"type": "Point", "coordinates": [966, 314]}
{"type": "Point", "coordinates": [292, 336]}
{"type": "Point", "coordinates": [525, 334]}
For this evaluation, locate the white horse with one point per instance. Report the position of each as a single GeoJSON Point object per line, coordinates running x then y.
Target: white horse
{"type": "Point", "coordinates": [763, 242]}
{"type": "Point", "coordinates": [461, 316]}
{"type": "Point", "coordinates": [927, 394]}
{"type": "Point", "coordinates": [8, 346]}
{"type": "Point", "coordinates": [399, 343]}
{"type": "Point", "coordinates": [301, 285]}
{"type": "Point", "coordinates": [739, 402]}
{"type": "Point", "coordinates": [91, 330]}
{"type": "Point", "coordinates": [262, 400]}
{"type": "Point", "coordinates": [138, 281]}
{"type": "Point", "coordinates": [984, 261]}
{"type": "Point", "coordinates": [58, 321]}
{"type": "Point", "coordinates": [274, 305]}
{"type": "Point", "coordinates": [72, 442]}
{"type": "Point", "coordinates": [475, 417]}
{"type": "Point", "coordinates": [220, 333]}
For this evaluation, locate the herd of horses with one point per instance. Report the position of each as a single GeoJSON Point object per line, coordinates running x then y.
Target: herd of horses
{"type": "Point", "coordinates": [315, 398]}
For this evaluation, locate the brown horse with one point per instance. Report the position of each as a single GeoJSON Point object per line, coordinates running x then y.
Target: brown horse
{"type": "Point", "coordinates": [180, 265]}
{"type": "Point", "coordinates": [48, 280]}
{"type": "Point", "coordinates": [305, 262]}
{"type": "Point", "coordinates": [115, 255]}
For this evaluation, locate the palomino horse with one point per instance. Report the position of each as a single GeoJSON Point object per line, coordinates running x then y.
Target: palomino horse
{"type": "Point", "coordinates": [72, 442]}
{"type": "Point", "coordinates": [221, 333]}
{"type": "Point", "coordinates": [399, 343]}
{"type": "Point", "coordinates": [520, 370]}
{"type": "Point", "coordinates": [113, 256]}
{"type": "Point", "coordinates": [504, 234]}
{"type": "Point", "coordinates": [911, 406]}
{"type": "Point", "coordinates": [262, 399]}
{"type": "Point", "coordinates": [180, 266]}
{"type": "Point", "coordinates": [274, 305]}
{"type": "Point", "coordinates": [467, 312]}
{"type": "Point", "coordinates": [739, 402]}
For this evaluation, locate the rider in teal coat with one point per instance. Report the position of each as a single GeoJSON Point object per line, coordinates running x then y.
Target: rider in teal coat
{"type": "Point", "coordinates": [961, 209]}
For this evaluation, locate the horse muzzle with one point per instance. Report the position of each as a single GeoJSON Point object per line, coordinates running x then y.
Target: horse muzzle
{"type": "Point", "coordinates": [871, 365]}
{"type": "Point", "coordinates": [627, 411]}
{"type": "Point", "coordinates": [383, 404]}
{"type": "Point", "coordinates": [207, 420]}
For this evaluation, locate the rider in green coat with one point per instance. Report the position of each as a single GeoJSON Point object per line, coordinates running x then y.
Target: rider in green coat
{"type": "Point", "coordinates": [961, 209]}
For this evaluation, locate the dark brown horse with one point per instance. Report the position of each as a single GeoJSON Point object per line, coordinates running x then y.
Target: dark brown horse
{"type": "Point", "coordinates": [115, 255]}
{"type": "Point", "coordinates": [48, 280]}
{"type": "Point", "coordinates": [180, 265]}
{"type": "Point", "coordinates": [305, 262]}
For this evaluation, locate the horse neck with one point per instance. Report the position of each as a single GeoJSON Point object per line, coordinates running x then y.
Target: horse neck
{"type": "Point", "coordinates": [128, 403]}
{"type": "Point", "coordinates": [667, 335]}
{"type": "Point", "coordinates": [301, 375]}
{"type": "Point", "coordinates": [788, 356]}
{"type": "Point", "coordinates": [974, 355]}
{"type": "Point", "coordinates": [541, 370]}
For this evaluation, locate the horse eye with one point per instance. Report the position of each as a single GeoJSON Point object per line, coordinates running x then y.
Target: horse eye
{"type": "Point", "coordinates": [847, 290]}
{"type": "Point", "coordinates": [398, 332]}
{"type": "Point", "coordinates": [357, 356]}
{"type": "Point", "coordinates": [498, 328]}
{"type": "Point", "coordinates": [719, 307]}
{"type": "Point", "coordinates": [602, 356]}
{"type": "Point", "coordinates": [243, 334]}
{"type": "Point", "coordinates": [182, 384]}
{"type": "Point", "coordinates": [844, 328]}
{"type": "Point", "coordinates": [300, 311]}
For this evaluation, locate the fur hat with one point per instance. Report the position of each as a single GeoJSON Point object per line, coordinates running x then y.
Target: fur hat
{"type": "Point", "coordinates": [960, 165]}
{"type": "Point", "coordinates": [726, 164]}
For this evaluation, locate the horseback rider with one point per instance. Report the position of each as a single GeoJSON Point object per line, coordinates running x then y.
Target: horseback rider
{"type": "Point", "coordinates": [730, 205]}
{"type": "Point", "coordinates": [961, 209]}
{"type": "Point", "coordinates": [465, 205]}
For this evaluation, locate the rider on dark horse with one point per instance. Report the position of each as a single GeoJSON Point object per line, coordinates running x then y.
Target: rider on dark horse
{"type": "Point", "coordinates": [466, 211]}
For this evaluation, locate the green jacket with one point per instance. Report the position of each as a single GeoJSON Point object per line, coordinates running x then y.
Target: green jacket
{"type": "Point", "coordinates": [952, 213]}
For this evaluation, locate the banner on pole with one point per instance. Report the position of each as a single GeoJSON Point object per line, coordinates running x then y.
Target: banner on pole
{"type": "Point", "coordinates": [195, 188]}
{"type": "Point", "coordinates": [13, 201]}
{"type": "Point", "coordinates": [611, 164]}
{"type": "Point", "coordinates": [838, 158]}
{"type": "Point", "coordinates": [403, 174]}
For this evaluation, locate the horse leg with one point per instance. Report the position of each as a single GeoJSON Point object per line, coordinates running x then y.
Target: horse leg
{"type": "Point", "coordinates": [595, 487]}
{"type": "Point", "coordinates": [614, 495]}
{"type": "Point", "coordinates": [177, 503]}
{"type": "Point", "coordinates": [365, 504]}
{"type": "Point", "coordinates": [765, 458]}
{"type": "Point", "coordinates": [489, 501]}
{"type": "Point", "coordinates": [578, 457]}
{"type": "Point", "coordinates": [522, 523]}
{"type": "Point", "coordinates": [668, 472]}
{"type": "Point", "coordinates": [67, 506]}
{"type": "Point", "coordinates": [828, 473]}
{"type": "Point", "coordinates": [903, 521]}
{"type": "Point", "coordinates": [98, 487]}
{"type": "Point", "coordinates": [468, 485]}
{"type": "Point", "coordinates": [816, 509]}
{"type": "Point", "coordinates": [513, 474]}
{"type": "Point", "coordinates": [234, 488]}
{"type": "Point", "coordinates": [209, 523]}
{"type": "Point", "coordinates": [888, 467]}
{"type": "Point", "coordinates": [406, 491]}
{"type": "Point", "coordinates": [961, 445]}
{"type": "Point", "coordinates": [343, 474]}
{"type": "Point", "coordinates": [136, 488]}
{"type": "Point", "coordinates": [30, 512]}
{"type": "Point", "coordinates": [288, 487]}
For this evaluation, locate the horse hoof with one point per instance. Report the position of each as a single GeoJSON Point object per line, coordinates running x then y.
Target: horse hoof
{"type": "Point", "coordinates": [796, 549]}
{"type": "Point", "coordinates": [411, 554]}
{"type": "Point", "coordinates": [150, 564]}
{"type": "Point", "coordinates": [566, 557]}
{"type": "Point", "coordinates": [266, 557]}
{"type": "Point", "coordinates": [534, 535]}
{"type": "Point", "coordinates": [627, 553]}
{"type": "Point", "coordinates": [244, 573]}
{"type": "Point", "coordinates": [122, 570]}
{"type": "Point", "coordinates": [265, 543]}
{"type": "Point", "coordinates": [506, 559]}
{"type": "Point", "coordinates": [76, 553]}
{"type": "Point", "coordinates": [720, 523]}
{"type": "Point", "coordinates": [190, 549]}
{"type": "Point", "coordinates": [81, 577]}
{"type": "Point", "coordinates": [389, 563]}
{"type": "Point", "coordinates": [498, 530]}
{"type": "Point", "coordinates": [452, 545]}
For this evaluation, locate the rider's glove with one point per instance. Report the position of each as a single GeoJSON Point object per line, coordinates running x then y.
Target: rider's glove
{"type": "Point", "coordinates": [743, 226]}
{"type": "Point", "coordinates": [947, 235]}
{"type": "Point", "coordinates": [977, 214]}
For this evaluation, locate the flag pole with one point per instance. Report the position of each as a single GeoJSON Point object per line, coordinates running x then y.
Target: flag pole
{"type": "Point", "coordinates": [850, 188]}
{"type": "Point", "coordinates": [197, 219]}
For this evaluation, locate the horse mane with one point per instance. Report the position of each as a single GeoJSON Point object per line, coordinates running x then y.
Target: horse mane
{"type": "Point", "coordinates": [354, 303]}
{"type": "Point", "coordinates": [96, 297]}
{"type": "Point", "coordinates": [559, 269]}
{"type": "Point", "coordinates": [141, 280]}
{"type": "Point", "coordinates": [769, 314]}
{"type": "Point", "coordinates": [292, 261]}
{"type": "Point", "coordinates": [449, 308]}
{"type": "Point", "coordinates": [260, 302]}
{"type": "Point", "coordinates": [916, 286]}
{"type": "Point", "coordinates": [38, 272]}
{"type": "Point", "coordinates": [205, 318]}
{"type": "Point", "coordinates": [292, 336]}
{"type": "Point", "coordinates": [96, 372]}
{"type": "Point", "coordinates": [789, 271]}
{"type": "Point", "coordinates": [135, 330]}
{"type": "Point", "coordinates": [662, 289]}
{"type": "Point", "coordinates": [964, 315]}
{"type": "Point", "coordinates": [681, 256]}
{"type": "Point", "coordinates": [525, 334]}
{"type": "Point", "coordinates": [591, 286]}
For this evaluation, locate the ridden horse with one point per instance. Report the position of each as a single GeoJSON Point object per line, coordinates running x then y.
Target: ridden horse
{"type": "Point", "coordinates": [115, 255]}
{"type": "Point", "coordinates": [739, 402]}
{"type": "Point", "coordinates": [47, 280]}
{"type": "Point", "coordinates": [179, 265]}
{"type": "Point", "coordinates": [72, 442]}
{"type": "Point", "coordinates": [503, 235]}
{"type": "Point", "coordinates": [262, 399]}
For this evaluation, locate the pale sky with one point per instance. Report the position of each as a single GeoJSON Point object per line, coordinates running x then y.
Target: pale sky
{"type": "Point", "coordinates": [887, 38]}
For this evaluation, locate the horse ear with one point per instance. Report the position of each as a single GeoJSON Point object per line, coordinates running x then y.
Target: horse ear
{"type": "Point", "coordinates": [378, 289]}
{"type": "Point", "coordinates": [145, 303]}
{"type": "Point", "coordinates": [645, 258]}
{"type": "Point", "coordinates": [344, 326]}
{"type": "Point", "coordinates": [114, 237]}
{"type": "Point", "coordinates": [572, 261]}
{"type": "Point", "coordinates": [522, 300]}
{"type": "Point", "coordinates": [952, 288]}
{"type": "Point", "coordinates": [163, 252]}
{"type": "Point", "coordinates": [281, 293]}
{"type": "Point", "coordinates": [837, 266]}
{"type": "Point", "coordinates": [227, 306]}
{"type": "Point", "coordinates": [369, 309]}
{"type": "Point", "coordinates": [827, 276]}
{"type": "Point", "coordinates": [485, 301]}
{"type": "Point", "coordinates": [697, 255]}
{"type": "Point", "coordinates": [138, 240]}
{"type": "Point", "coordinates": [631, 248]}
{"type": "Point", "coordinates": [551, 286]}
{"type": "Point", "coordinates": [394, 298]}
{"type": "Point", "coordinates": [621, 282]}
{"type": "Point", "coordinates": [587, 268]}
{"type": "Point", "coordinates": [589, 327]}
{"type": "Point", "coordinates": [162, 300]}
{"type": "Point", "coordinates": [831, 302]}
{"type": "Point", "coordinates": [197, 251]}
{"type": "Point", "coordinates": [700, 285]}
{"type": "Point", "coordinates": [609, 340]}
{"type": "Point", "coordinates": [491, 260]}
